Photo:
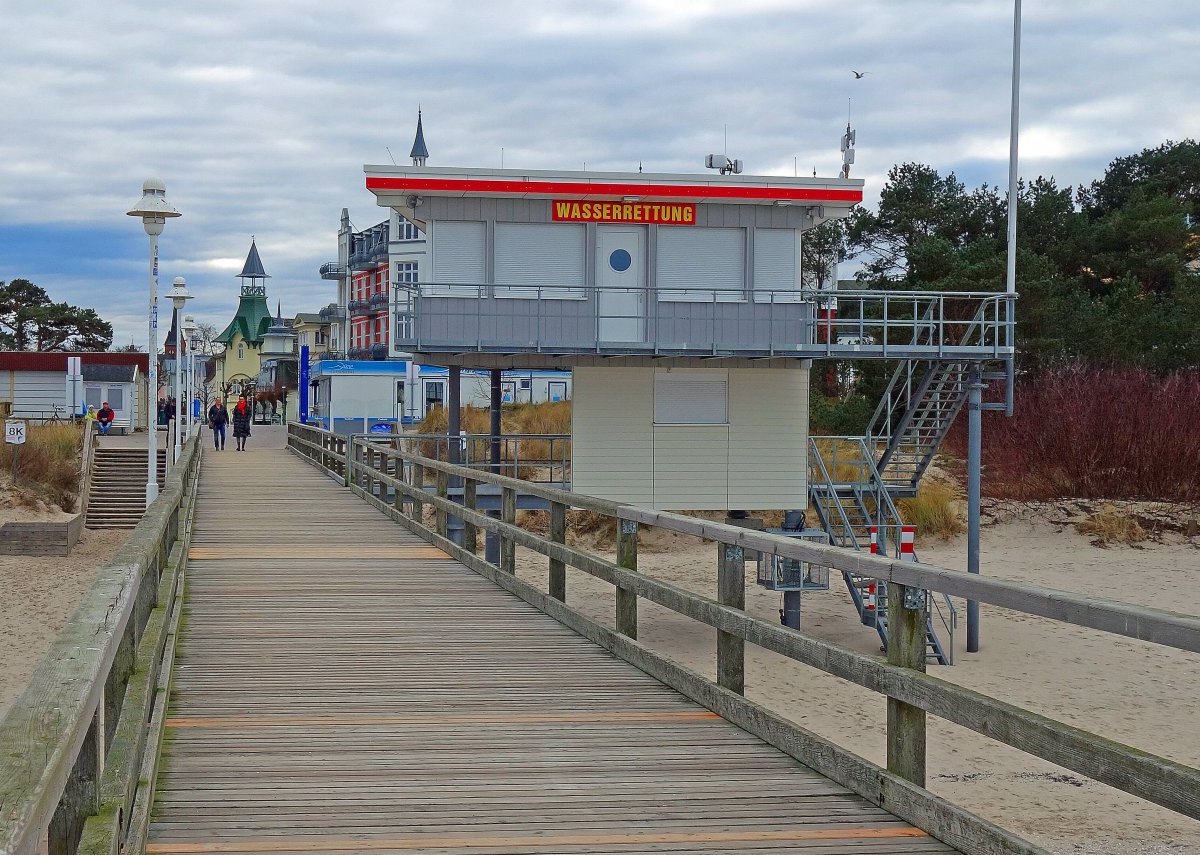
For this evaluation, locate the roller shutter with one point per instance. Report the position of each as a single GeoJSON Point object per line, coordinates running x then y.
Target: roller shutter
{"type": "Point", "coordinates": [698, 264]}
{"type": "Point", "coordinates": [459, 257]}
{"type": "Point", "coordinates": [540, 259]}
{"type": "Point", "coordinates": [691, 398]}
{"type": "Point", "coordinates": [776, 264]}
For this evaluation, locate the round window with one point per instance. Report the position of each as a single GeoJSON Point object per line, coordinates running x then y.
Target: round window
{"type": "Point", "coordinates": [620, 260]}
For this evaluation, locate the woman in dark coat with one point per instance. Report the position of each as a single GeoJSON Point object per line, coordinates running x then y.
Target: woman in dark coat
{"type": "Point", "coordinates": [242, 413]}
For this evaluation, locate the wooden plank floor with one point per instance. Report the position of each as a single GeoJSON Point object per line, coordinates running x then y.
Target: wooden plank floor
{"type": "Point", "coordinates": [342, 687]}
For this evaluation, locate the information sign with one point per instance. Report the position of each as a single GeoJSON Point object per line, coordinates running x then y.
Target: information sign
{"type": "Point", "coordinates": [14, 432]}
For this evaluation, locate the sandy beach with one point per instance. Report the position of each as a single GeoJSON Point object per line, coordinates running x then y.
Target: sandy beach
{"type": "Point", "coordinates": [1136, 693]}
{"type": "Point", "coordinates": [38, 596]}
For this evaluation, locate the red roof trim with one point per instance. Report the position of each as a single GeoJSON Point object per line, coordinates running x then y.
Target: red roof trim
{"type": "Point", "coordinates": [57, 361]}
{"type": "Point", "coordinates": [586, 188]}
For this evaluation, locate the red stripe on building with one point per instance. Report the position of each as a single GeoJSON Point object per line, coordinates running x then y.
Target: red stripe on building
{"type": "Point", "coordinates": [16, 360]}
{"type": "Point", "coordinates": [584, 188]}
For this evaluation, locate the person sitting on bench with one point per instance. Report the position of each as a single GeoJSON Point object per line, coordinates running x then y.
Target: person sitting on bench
{"type": "Point", "coordinates": [104, 418]}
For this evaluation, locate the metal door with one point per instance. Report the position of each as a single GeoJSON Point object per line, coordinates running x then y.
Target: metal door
{"type": "Point", "coordinates": [621, 283]}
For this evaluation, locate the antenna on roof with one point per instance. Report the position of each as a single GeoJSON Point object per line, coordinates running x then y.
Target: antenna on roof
{"type": "Point", "coordinates": [501, 157]}
{"type": "Point", "coordinates": [392, 156]}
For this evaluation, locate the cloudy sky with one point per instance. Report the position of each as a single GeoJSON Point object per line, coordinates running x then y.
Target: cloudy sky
{"type": "Point", "coordinates": [260, 115]}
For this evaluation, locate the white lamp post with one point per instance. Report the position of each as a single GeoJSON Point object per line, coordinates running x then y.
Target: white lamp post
{"type": "Point", "coordinates": [154, 210]}
{"type": "Point", "coordinates": [188, 328]}
{"type": "Point", "coordinates": [179, 298]}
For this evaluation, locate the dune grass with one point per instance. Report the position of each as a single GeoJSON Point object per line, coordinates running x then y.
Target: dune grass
{"type": "Point", "coordinates": [933, 511]}
{"type": "Point", "coordinates": [48, 463]}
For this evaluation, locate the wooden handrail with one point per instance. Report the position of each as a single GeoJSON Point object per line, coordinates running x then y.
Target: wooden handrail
{"type": "Point", "coordinates": [87, 454]}
{"type": "Point", "coordinates": [55, 739]}
{"type": "Point", "coordinates": [1173, 785]}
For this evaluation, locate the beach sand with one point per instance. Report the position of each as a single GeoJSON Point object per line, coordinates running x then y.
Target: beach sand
{"type": "Point", "coordinates": [1136, 693]}
{"type": "Point", "coordinates": [38, 596]}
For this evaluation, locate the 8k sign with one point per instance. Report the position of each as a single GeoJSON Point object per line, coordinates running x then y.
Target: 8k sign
{"type": "Point", "coordinates": [14, 432]}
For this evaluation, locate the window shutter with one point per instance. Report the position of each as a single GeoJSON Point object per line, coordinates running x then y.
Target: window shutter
{"type": "Point", "coordinates": [459, 252]}
{"type": "Point", "coordinates": [696, 263]}
{"type": "Point", "coordinates": [691, 398]}
{"type": "Point", "coordinates": [550, 256]}
{"type": "Point", "coordinates": [775, 261]}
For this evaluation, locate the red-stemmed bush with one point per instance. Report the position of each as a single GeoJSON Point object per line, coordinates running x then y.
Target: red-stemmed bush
{"type": "Point", "coordinates": [1094, 433]}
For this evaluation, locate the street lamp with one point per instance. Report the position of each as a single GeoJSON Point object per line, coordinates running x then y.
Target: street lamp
{"type": "Point", "coordinates": [179, 298]}
{"type": "Point", "coordinates": [188, 329]}
{"type": "Point", "coordinates": [154, 210]}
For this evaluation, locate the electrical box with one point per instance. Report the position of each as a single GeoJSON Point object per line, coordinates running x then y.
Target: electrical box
{"type": "Point", "coordinates": [777, 573]}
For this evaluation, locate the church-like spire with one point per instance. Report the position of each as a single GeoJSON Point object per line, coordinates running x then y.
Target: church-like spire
{"type": "Point", "coordinates": [419, 151]}
{"type": "Point", "coordinates": [253, 270]}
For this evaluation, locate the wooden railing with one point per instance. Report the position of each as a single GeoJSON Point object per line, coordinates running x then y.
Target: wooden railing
{"type": "Point", "coordinates": [397, 482]}
{"type": "Point", "coordinates": [78, 748]}
{"type": "Point", "coordinates": [87, 454]}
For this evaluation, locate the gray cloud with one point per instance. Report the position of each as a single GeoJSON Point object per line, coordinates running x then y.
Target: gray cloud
{"type": "Point", "coordinates": [259, 116]}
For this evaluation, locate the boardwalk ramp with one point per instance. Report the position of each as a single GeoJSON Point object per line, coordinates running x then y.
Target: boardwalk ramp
{"type": "Point", "coordinates": [342, 686]}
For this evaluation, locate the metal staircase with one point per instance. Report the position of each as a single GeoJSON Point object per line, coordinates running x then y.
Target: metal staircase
{"type": "Point", "coordinates": [850, 498]}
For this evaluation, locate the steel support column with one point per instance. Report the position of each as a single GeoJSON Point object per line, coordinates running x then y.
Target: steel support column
{"type": "Point", "coordinates": [974, 452]}
{"type": "Point", "coordinates": [454, 444]}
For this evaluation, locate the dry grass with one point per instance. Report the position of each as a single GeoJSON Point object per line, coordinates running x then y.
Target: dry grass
{"type": "Point", "coordinates": [47, 464]}
{"type": "Point", "coordinates": [934, 511]}
{"type": "Point", "coordinates": [538, 419]}
{"type": "Point", "coordinates": [1112, 525]}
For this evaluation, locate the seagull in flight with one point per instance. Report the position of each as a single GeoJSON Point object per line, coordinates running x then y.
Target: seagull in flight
{"type": "Point", "coordinates": [859, 75]}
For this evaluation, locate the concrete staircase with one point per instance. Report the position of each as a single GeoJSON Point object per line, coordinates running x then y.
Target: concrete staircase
{"type": "Point", "coordinates": [117, 497]}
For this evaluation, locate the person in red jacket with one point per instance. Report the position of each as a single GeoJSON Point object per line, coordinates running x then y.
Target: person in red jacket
{"type": "Point", "coordinates": [104, 418]}
{"type": "Point", "coordinates": [242, 414]}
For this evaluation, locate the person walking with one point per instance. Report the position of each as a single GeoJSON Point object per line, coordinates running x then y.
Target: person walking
{"type": "Point", "coordinates": [218, 417]}
{"type": "Point", "coordinates": [242, 414]}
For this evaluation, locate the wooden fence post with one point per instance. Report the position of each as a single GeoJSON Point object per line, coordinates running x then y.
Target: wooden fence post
{"type": "Point", "coordinates": [906, 648]}
{"type": "Point", "coordinates": [627, 606]}
{"type": "Point", "coordinates": [558, 534]}
{"type": "Point", "coordinates": [418, 482]}
{"type": "Point", "coordinates": [441, 517]}
{"type": "Point", "coordinates": [508, 514]}
{"type": "Point", "coordinates": [399, 499]}
{"type": "Point", "coordinates": [731, 591]}
{"type": "Point", "coordinates": [470, 536]}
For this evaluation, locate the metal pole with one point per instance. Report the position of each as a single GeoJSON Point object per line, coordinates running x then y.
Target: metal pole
{"type": "Point", "coordinates": [791, 609]}
{"type": "Point", "coordinates": [152, 378]}
{"type": "Point", "coordinates": [491, 547]}
{"type": "Point", "coordinates": [178, 384]}
{"type": "Point", "coordinates": [974, 450]}
{"type": "Point", "coordinates": [1014, 123]}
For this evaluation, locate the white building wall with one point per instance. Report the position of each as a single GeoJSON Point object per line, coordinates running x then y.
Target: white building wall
{"type": "Point", "coordinates": [756, 461]}
{"type": "Point", "coordinates": [33, 393]}
{"type": "Point", "coordinates": [611, 434]}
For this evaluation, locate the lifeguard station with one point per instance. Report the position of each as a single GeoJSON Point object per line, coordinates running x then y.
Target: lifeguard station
{"type": "Point", "coordinates": [678, 304]}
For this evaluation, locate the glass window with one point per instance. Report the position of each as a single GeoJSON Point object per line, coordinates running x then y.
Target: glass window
{"type": "Point", "coordinates": [116, 397]}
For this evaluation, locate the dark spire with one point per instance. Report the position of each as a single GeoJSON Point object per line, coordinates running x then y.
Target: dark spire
{"type": "Point", "coordinates": [253, 268]}
{"type": "Point", "coordinates": [419, 151]}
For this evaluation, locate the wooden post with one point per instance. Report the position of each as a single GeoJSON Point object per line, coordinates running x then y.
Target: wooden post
{"type": "Point", "coordinates": [79, 798]}
{"type": "Point", "coordinates": [398, 499]}
{"type": "Point", "coordinates": [508, 514]}
{"type": "Point", "coordinates": [731, 591]}
{"type": "Point", "coordinates": [418, 482]}
{"type": "Point", "coordinates": [558, 534]}
{"type": "Point", "coordinates": [906, 648]}
{"type": "Point", "coordinates": [443, 490]}
{"type": "Point", "coordinates": [627, 606]}
{"type": "Point", "coordinates": [470, 532]}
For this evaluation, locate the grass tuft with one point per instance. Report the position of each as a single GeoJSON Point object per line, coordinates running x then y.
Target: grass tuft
{"type": "Point", "coordinates": [934, 511]}
{"type": "Point", "coordinates": [1111, 525]}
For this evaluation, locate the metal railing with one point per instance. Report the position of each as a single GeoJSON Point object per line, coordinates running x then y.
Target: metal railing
{"type": "Point", "coordinates": [542, 458]}
{"type": "Point", "coordinates": [71, 768]}
{"type": "Point", "coordinates": [910, 693]}
{"type": "Point", "coordinates": [803, 323]}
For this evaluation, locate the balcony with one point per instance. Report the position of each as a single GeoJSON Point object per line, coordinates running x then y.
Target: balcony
{"type": "Point", "coordinates": [562, 322]}
{"type": "Point", "coordinates": [358, 308]}
{"type": "Point", "coordinates": [359, 353]}
{"type": "Point", "coordinates": [333, 312]}
{"type": "Point", "coordinates": [379, 352]}
{"type": "Point", "coordinates": [378, 302]}
{"type": "Point", "coordinates": [332, 270]}
{"type": "Point", "coordinates": [379, 251]}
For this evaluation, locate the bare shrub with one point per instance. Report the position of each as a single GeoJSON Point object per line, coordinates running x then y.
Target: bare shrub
{"type": "Point", "coordinates": [1098, 433]}
{"type": "Point", "coordinates": [48, 462]}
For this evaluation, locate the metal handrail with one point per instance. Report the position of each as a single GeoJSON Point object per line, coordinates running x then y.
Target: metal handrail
{"type": "Point", "coordinates": [475, 452]}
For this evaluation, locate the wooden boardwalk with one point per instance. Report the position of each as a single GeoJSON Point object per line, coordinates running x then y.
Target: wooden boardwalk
{"type": "Point", "coordinates": [341, 686]}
